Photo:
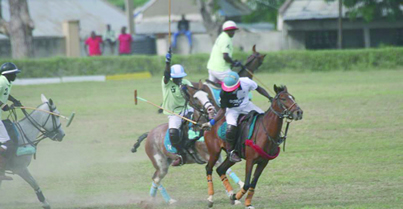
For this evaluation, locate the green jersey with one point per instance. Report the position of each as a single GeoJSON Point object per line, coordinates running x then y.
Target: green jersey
{"type": "Point", "coordinates": [223, 44]}
{"type": "Point", "coordinates": [5, 88]}
{"type": "Point", "coordinates": [172, 97]}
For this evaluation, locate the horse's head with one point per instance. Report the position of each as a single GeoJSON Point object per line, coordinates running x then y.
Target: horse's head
{"type": "Point", "coordinates": [284, 104]}
{"type": "Point", "coordinates": [253, 62]}
{"type": "Point", "coordinates": [51, 126]}
{"type": "Point", "coordinates": [199, 100]}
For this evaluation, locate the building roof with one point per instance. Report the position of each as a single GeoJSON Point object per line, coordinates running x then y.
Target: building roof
{"type": "Point", "coordinates": [233, 8]}
{"type": "Point", "coordinates": [312, 9]}
{"type": "Point", "coordinates": [48, 16]}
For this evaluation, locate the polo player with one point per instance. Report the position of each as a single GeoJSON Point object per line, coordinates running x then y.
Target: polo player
{"type": "Point", "coordinates": [220, 62]}
{"type": "Point", "coordinates": [235, 101]}
{"type": "Point", "coordinates": [8, 74]}
{"type": "Point", "coordinates": [175, 102]}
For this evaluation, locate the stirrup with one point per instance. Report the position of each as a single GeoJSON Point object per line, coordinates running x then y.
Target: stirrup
{"type": "Point", "coordinates": [233, 157]}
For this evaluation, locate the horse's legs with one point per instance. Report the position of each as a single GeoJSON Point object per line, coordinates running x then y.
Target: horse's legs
{"type": "Point", "coordinates": [26, 175]}
{"type": "Point", "coordinates": [161, 165]}
{"type": "Point", "coordinates": [251, 191]}
{"type": "Point", "coordinates": [248, 174]}
{"type": "Point", "coordinates": [221, 172]}
{"type": "Point", "coordinates": [209, 170]}
{"type": "Point", "coordinates": [230, 173]}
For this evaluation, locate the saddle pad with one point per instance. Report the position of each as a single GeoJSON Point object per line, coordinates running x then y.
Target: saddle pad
{"type": "Point", "coordinates": [167, 142]}
{"type": "Point", "coordinates": [223, 128]}
{"type": "Point", "coordinates": [216, 93]}
{"type": "Point", "coordinates": [26, 150]}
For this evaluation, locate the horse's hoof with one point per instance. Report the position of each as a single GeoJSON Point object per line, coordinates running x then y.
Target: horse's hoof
{"type": "Point", "coordinates": [237, 202]}
{"type": "Point", "coordinates": [249, 207]}
{"type": "Point", "coordinates": [45, 205]}
{"type": "Point", "coordinates": [172, 201]}
{"type": "Point", "coordinates": [210, 204]}
{"type": "Point", "coordinates": [233, 200]}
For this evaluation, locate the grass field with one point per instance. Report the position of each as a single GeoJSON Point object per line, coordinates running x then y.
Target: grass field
{"type": "Point", "coordinates": [347, 152]}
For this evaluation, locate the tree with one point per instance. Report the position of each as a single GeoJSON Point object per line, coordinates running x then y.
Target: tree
{"type": "Point", "coordinates": [208, 9]}
{"type": "Point", "coordinates": [374, 9]}
{"type": "Point", "coordinates": [18, 29]}
{"type": "Point", "coordinates": [263, 11]}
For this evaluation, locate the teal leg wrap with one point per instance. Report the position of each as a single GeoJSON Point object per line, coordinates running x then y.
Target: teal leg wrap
{"type": "Point", "coordinates": [153, 190]}
{"type": "Point", "coordinates": [164, 193]}
{"type": "Point", "coordinates": [234, 177]}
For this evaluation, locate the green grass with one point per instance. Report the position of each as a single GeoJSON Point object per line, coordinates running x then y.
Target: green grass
{"type": "Point", "coordinates": [347, 152]}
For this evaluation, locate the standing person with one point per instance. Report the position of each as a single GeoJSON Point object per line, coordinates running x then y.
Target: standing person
{"type": "Point", "coordinates": [235, 101]}
{"type": "Point", "coordinates": [8, 74]}
{"type": "Point", "coordinates": [94, 43]}
{"type": "Point", "coordinates": [110, 38]}
{"type": "Point", "coordinates": [220, 62]}
{"type": "Point", "coordinates": [174, 102]}
{"type": "Point", "coordinates": [125, 42]}
{"type": "Point", "coordinates": [183, 28]}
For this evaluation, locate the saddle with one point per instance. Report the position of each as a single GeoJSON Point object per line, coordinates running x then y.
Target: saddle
{"type": "Point", "coordinates": [188, 139]}
{"type": "Point", "coordinates": [246, 125]}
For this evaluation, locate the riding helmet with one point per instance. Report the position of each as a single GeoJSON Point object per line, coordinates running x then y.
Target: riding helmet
{"type": "Point", "coordinates": [9, 68]}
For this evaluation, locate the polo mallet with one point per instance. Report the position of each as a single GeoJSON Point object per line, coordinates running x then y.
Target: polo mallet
{"type": "Point", "coordinates": [169, 21]}
{"type": "Point", "coordinates": [69, 120]}
{"type": "Point", "coordinates": [144, 100]}
{"type": "Point", "coordinates": [254, 77]}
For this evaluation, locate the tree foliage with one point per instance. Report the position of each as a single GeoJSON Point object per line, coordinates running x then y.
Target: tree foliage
{"type": "Point", "coordinates": [375, 9]}
{"type": "Point", "coordinates": [121, 3]}
{"type": "Point", "coordinates": [263, 11]}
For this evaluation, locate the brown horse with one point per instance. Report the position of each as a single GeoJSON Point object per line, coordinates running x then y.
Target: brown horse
{"type": "Point", "coordinates": [263, 145]}
{"type": "Point", "coordinates": [161, 158]}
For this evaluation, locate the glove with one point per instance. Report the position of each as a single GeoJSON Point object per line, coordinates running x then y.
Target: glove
{"type": "Point", "coordinates": [271, 99]}
{"type": "Point", "coordinates": [7, 108]}
{"type": "Point", "coordinates": [17, 103]}
{"type": "Point", "coordinates": [237, 63]}
{"type": "Point", "coordinates": [206, 126]}
{"type": "Point", "coordinates": [168, 56]}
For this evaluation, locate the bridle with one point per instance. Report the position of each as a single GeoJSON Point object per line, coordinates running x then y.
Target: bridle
{"type": "Point", "coordinates": [203, 108]}
{"type": "Point", "coordinates": [284, 112]}
{"type": "Point", "coordinates": [45, 133]}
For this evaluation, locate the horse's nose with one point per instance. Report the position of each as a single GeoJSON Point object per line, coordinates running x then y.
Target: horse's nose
{"type": "Point", "coordinates": [299, 114]}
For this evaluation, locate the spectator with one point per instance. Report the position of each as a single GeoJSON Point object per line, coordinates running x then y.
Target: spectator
{"type": "Point", "coordinates": [110, 39]}
{"type": "Point", "coordinates": [94, 42]}
{"type": "Point", "coordinates": [125, 42]}
{"type": "Point", "coordinates": [183, 28]}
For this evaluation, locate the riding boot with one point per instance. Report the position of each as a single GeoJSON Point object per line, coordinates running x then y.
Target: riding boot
{"type": "Point", "coordinates": [176, 142]}
{"type": "Point", "coordinates": [3, 161]}
{"type": "Point", "coordinates": [230, 145]}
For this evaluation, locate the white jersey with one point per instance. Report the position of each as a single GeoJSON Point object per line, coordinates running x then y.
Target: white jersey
{"type": "Point", "coordinates": [240, 97]}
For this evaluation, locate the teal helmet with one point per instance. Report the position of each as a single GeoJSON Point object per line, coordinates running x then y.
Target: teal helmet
{"type": "Point", "coordinates": [230, 82]}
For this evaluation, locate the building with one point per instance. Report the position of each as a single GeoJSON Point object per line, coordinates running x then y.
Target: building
{"type": "Point", "coordinates": [49, 16]}
{"type": "Point", "coordinates": [153, 19]}
{"type": "Point", "coordinates": [313, 24]}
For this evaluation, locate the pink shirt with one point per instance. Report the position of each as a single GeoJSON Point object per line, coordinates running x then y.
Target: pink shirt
{"type": "Point", "coordinates": [125, 41]}
{"type": "Point", "coordinates": [94, 46]}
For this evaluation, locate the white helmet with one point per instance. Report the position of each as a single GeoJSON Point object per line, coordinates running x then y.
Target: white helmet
{"type": "Point", "coordinates": [229, 25]}
{"type": "Point", "coordinates": [177, 71]}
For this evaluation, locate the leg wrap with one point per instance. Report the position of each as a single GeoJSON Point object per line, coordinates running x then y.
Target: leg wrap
{"type": "Point", "coordinates": [226, 183]}
{"type": "Point", "coordinates": [40, 196]}
{"type": "Point", "coordinates": [234, 177]}
{"type": "Point", "coordinates": [153, 190]}
{"type": "Point", "coordinates": [240, 194]}
{"type": "Point", "coordinates": [210, 185]}
{"type": "Point", "coordinates": [164, 193]}
{"type": "Point", "coordinates": [248, 200]}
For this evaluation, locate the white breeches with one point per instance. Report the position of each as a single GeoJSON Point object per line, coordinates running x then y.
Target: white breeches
{"type": "Point", "coordinates": [217, 77]}
{"type": "Point", "coordinates": [232, 114]}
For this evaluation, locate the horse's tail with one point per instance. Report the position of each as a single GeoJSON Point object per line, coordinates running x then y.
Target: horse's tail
{"type": "Point", "coordinates": [139, 140]}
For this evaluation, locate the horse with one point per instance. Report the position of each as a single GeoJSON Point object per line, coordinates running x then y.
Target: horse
{"type": "Point", "coordinates": [28, 129]}
{"type": "Point", "coordinates": [262, 146]}
{"type": "Point", "coordinates": [161, 158]}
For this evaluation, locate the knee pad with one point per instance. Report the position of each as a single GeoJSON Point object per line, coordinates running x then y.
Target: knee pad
{"type": "Point", "coordinates": [174, 136]}
{"type": "Point", "coordinates": [231, 133]}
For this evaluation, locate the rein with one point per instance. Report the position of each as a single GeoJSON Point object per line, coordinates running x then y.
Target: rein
{"type": "Point", "coordinates": [40, 127]}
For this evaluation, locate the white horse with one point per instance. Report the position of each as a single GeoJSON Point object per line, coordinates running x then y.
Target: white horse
{"type": "Point", "coordinates": [28, 130]}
